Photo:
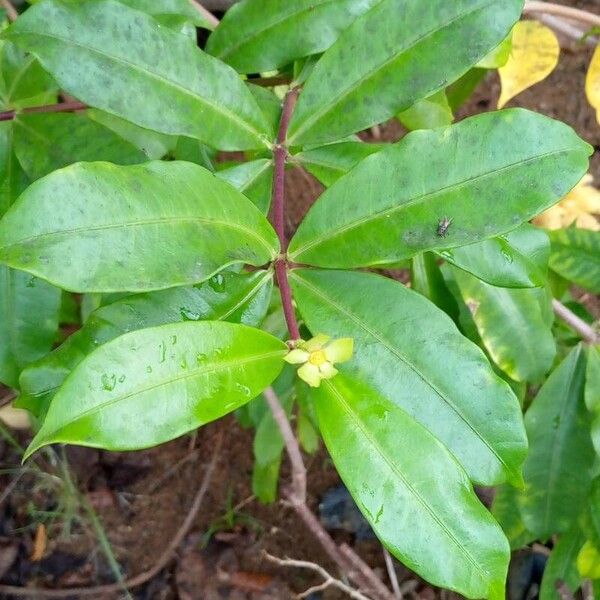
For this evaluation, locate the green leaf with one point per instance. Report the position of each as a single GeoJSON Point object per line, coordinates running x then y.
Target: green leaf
{"type": "Point", "coordinates": [169, 8]}
{"type": "Point", "coordinates": [118, 59]}
{"type": "Point", "coordinates": [506, 511]}
{"type": "Point", "coordinates": [416, 497]}
{"type": "Point", "coordinates": [390, 205]}
{"type": "Point", "coordinates": [576, 256]}
{"type": "Point", "coordinates": [29, 310]}
{"type": "Point", "coordinates": [23, 82]}
{"type": "Point", "coordinates": [263, 35]}
{"type": "Point", "coordinates": [46, 142]}
{"type": "Point", "coordinates": [512, 324]}
{"type": "Point", "coordinates": [153, 385]}
{"type": "Point", "coordinates": [254, 179]}
{"type": "Point", "coordinates": [239, 298]}
{"type": "Point", "coordinates": [411, 352]}
{"type": "Point", "coordinates": [153, 144]}
{"type": "Point", "coordinates": [328, 163]}
{"type": "Point", "coordinates": [428, 113]}
{"type": "Point", "coordinates": [561, 566]}
{"type": "Point", "coordinates": [558, 469]}
{"type": "Point", "coordinates": [517, 259]}
{"type": "Point", "coordinates": [98, 227]}
{"type": "Point", "coordinates": [308, 436]}
{"type": "Point", "coordinates": [380, 66]}
{"type": "Point", "coordinates": [590, 520]}
{"type": "Point", "coordinates": [592, 393]}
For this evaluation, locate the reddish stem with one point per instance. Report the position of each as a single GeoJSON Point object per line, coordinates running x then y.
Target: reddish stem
{"type": "Point", "coordinates": [280, 155]}
{"type": "Point", "coordinates": [47, 108]}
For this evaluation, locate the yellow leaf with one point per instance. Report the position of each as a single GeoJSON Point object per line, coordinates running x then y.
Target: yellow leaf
{"type": "Point", "coordinates": [533, 57]}
{"type": "Point", "coordinates": [592, 83]}
{"type": "Point", "coordinates": [580, 206]}
{"type": "Point", "coordinates": [588, 561]}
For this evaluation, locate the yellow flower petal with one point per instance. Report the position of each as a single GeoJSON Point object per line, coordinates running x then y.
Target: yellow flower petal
{"type": "Point", "coordinates": [296, 357]}
{"type": "Point", "coordinates": [327, 370]}
{"type": "Point", "coordinates": [340, 350]}
{"type": "Point", "coordinates": [310, 374]}
{"type": "Point", "coordinates": [315, 343]}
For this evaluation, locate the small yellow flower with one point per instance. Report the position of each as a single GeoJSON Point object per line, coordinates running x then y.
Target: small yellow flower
{"type": "Point", "coordinates": [317, 357]}
{"type": "Point", "coordinates": [579, 206]}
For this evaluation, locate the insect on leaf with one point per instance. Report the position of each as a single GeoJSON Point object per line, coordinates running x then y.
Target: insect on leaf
{"type": "Point", "coordinates": [534, 56]}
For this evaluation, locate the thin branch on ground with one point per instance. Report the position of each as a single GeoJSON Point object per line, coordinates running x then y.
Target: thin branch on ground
{"type": "Point", "coordinates": [561, 26]}
{"type": "Point", "coordinates": [563, 590]}
{"type": "Point", "coordinates": [210, 18]}
{"type": "Point", "coordinates": [163, 560]}
{"type": "Point", "coordinates": [329, 580]}
{"type": "Point", "coordinates": [70, 106]}
{"type": "Point", "coordinates": [583, 329]}
{"type": "Point", "coordinates": [389, 565]}
{"type": "Point", "coordinates": [7, 399]}
{"type": "Point", "coordinates": [587, 590]}
{"type": "Point", "coordinates": [11, 11]}
{"type": "Point", "coordinates": [565, 12]}
{"type": "Point", "coordinates": [346, 559]}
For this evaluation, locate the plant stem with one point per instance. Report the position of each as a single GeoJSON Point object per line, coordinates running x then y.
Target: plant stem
{"type": "Point", "coordinates": [280, 155]}
{"type": "Point", "coordinates": [212, 20]}
{"type": "Point", "coordinates": [566, 12]}
{"type": "Point", "coordinates": [11, 11]}
{"type": "Point", "coordinates": [72, 105]}
{"type": "Point", "coordinates": [585, 331]}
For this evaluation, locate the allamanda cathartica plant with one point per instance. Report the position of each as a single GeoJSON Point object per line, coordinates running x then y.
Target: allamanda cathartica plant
{"type": "Point", "coordinates": [417, 390]}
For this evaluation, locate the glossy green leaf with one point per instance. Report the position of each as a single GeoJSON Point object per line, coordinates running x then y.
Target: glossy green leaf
{"type": "Point", "coordinates": [29, 310]}
{"type": "Point", "coordinates": [46, 142]}
{"type": "Point", "coordinates": [411, 352]}
{"type": "Point", "coordinates": [561, 566]}
{"type": "Point", "coordinates": [307, 434]}
{"type": "Point", "coordinates": [576, 256]}
{"type": "Point", "coordinates": [512, 325]}
{"type": "Point", "coordinates": [153, 144]}
{"type": "Point", "coordinates": [390, 206]}
{"type": "Point", "coordinates": [98, 227]}
{"type": "Point", "coordinates": [254, 179]}
{"type": "Point", "coordinates": [120, 60]}
{"type": "Point", "coordinates": [428, 113]}
{"type": "Point", "coordinates": [169, 8]}
{"type": "Point", "coordinates": [412, 491]}
{"type": "Point", "coordinates": [592, 393]}
{"type": "Point", "coordinates": [153, 385]}
{"type": "Point", "coordinates": [328, 163]}
{"type": "Point", "coordinates": [399, 52]}
{"type": "Point", "coordinates": [558, 469]}
{"type": "Point", "coordinates": [517, 259]}
{"type": "Point", "coordinates": [23, 82]}
{"type": "Point", "coordinates": [239, 298]}
{"type": "Point", "coordinates": [506, 511]}
{"type": "Point", "coordinates": [263, 35]}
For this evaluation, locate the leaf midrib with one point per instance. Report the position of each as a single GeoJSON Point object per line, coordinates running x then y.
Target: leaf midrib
{"type": "Point", "coordinates": [389, 347]}
{"type": "Point", "coordinates": [359, 82]}
{"type": "Point", "coordinates": [329, 235]}
{"type": "Point", "coordinates": [169, 82]}
{"type": "Point", "coordinates": [216, 367]}
{"type": "Point", "coordinates": [412, 490]}
{"type": "Point", "coordinates": [141, 223]}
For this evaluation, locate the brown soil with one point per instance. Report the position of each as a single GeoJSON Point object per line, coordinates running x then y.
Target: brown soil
{"type": "Point", "coordinates": [142, 500]}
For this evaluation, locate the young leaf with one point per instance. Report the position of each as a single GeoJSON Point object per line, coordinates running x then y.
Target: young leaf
{"type": "Point", "coordinates": [390, 206]}
{"type": "Point", "coordinates": [46, 142]}
{"type": "Point", "coordinates": [516, 259]}
{"type": "Point", "coordinates": [561, 566]}
{"type": "Point", "coordinates": [98, 227]}
{"type": "Point", "coordinates": [239, 298]}
{"type": "Point", "coordinates": [328, 163]}
{"type": "Point", "coordinates": [576, 256]}
{"type": "Point", "coordinates": [588, 561]}
{"type": "Point", "coordinates": [412, 491]}
{"type": "Point", "coordinates": [506, 511]}
{"type": "Point", "coordinates": [512, 326]}
{"type": "Point", "coordinates": [411, 352]}
{"type": "Point", "coordinates": [263, 35]}
{"type": "Point", "coordinates": [558, 469]}
{"type": "Point", "coordinates": [592, 397]}
{"type": "Point", "coordinates": [122, 61]}
{"type": "Point", "coordinates": [153, 385]}
{"type": "Point", "coordinates": [592, 83]}
{"type": "Point", "coordinates": [428, 113]}
{"type": "Point", "coordinates": [534, 55]}
{"type": "Point", "coordinates": [254, 179]}
{"type": "Point", "coordinates": [380, 66]}
{"type": "Point", "coordinates": [29, 309]}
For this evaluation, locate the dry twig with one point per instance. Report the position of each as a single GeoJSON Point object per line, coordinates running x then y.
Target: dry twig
{"type": "Point", "coordinates": [585, 331]}
{"type": "Point", "coordinates": [565, 12]}
{"type": "Point", "coordinates": [210, 18]}
{"type": "Point", "coordinates": [11, 11]}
